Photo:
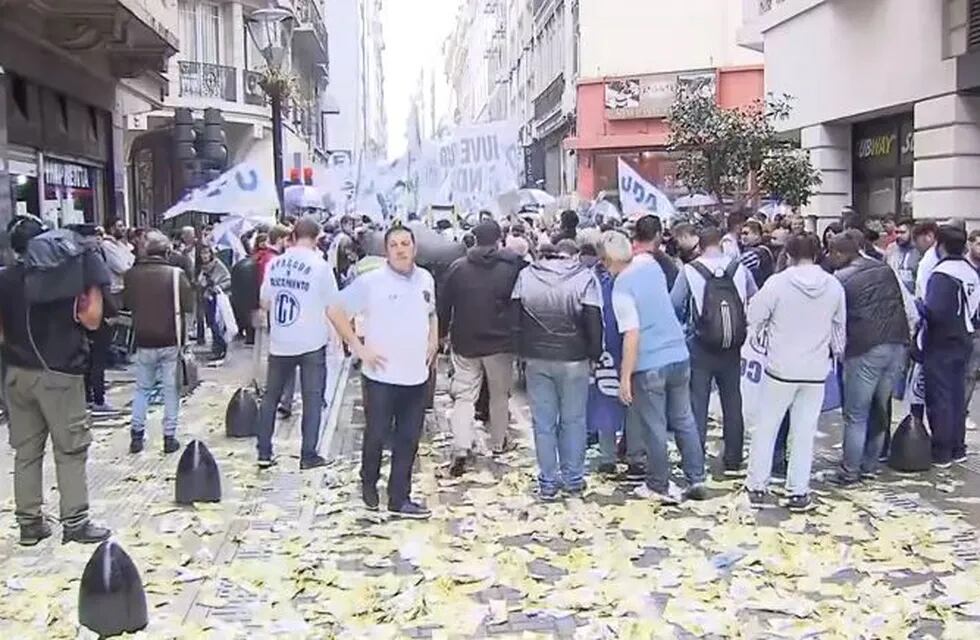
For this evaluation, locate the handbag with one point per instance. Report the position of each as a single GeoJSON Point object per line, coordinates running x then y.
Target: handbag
{"type": "Point", "coordinates": [187, 373]}
{"type": "Point", "coordinates": [911, 446]}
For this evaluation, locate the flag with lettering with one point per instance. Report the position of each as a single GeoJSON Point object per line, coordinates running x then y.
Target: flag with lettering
{"type": "Point", "coordinates": [243, 190]}
{"type": "Point", "coordinates": [639, 197]}
{"type": "Point", "coordinates": [605, 411]}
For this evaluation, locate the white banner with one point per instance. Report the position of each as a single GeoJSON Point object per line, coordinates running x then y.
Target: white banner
{"type": "Point", "coordinates": [481, 161]}
{"type": "Point", "coordinates": [639, 197]}
{"type": "Point", "coordinates": [242, 190]}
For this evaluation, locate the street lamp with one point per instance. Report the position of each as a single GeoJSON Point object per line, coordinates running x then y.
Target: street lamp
{"type": "Point", "coordinates": [272, 32]}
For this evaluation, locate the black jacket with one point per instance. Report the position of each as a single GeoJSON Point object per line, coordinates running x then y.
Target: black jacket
{"type": "Point", "coordinates": [475, 301]}
{"type": "Point", "coordinates": [875, 308]}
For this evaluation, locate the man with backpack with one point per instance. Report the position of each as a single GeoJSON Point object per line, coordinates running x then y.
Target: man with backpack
{"type": "Point", "coordinates": [44, 347]}
{"type": "Point", "coordinates": [711, 294]}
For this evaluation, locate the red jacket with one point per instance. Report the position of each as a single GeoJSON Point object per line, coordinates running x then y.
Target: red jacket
{"type": "Point", "coordinates": [262, 259]}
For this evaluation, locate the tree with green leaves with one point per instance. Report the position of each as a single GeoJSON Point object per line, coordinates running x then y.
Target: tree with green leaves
{"type": "Point", "coordinates": [720, 148]}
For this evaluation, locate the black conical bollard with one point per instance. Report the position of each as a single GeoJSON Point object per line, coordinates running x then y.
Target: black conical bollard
{"type": "Point", "coordinates": [242, 414]}
{"type": "Point", "coordinates": [111, 600]}
{"type": "Point", "coordinates": [198, 479]}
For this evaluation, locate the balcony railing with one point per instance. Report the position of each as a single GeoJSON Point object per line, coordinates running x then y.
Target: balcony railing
{"type": "Point", "coordinates": [252, 86]}
{"type": "Point", "coordinates": [309, 17]}
{"type": "Point", "coordinates": [766, 5]}
{"type": "Point", "coordinates": [205, 80]}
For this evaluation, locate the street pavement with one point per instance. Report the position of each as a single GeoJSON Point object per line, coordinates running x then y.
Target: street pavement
{"type": "Point", "coordinates": [293, 555]}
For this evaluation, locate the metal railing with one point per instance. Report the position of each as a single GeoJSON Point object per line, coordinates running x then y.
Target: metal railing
{"type": "Point", "coordinates": [308, 14]}
{"type": "Point", "coordinates": [206, 80]}
{"type": "Point", "coordinates": [767, 5]}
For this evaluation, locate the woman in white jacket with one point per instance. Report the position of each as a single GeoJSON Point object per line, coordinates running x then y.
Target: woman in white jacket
{"type": "Point", "coordinates": [801, 313]}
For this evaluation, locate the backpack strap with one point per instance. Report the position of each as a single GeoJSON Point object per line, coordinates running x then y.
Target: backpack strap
{"type": "Point", "coordinates": [702, 270]}
{"type": "Point", "coordinates": [732, 268]}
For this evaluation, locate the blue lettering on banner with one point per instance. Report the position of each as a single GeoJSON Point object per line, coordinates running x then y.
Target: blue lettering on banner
{"type": "Point", "coordinates": [286, 309]}
{"type": "Point", "coordinates": [648, 200]}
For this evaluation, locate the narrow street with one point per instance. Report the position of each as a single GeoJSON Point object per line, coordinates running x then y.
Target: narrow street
{"type": "Point", "coordinates": [294, 555]}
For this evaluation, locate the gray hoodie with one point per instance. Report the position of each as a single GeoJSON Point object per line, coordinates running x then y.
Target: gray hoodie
{"type": "Point", "coordinates": [560, 311]}
{"type": "Point", "coordinates": [800, 316]}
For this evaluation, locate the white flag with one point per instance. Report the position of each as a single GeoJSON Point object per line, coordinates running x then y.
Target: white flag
{"type": "Point", "coordinates": [639, 197]}
{"type": "Point", "coordinates": [243, 190]}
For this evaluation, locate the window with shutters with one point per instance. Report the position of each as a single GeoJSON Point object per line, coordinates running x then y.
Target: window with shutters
{"type": "Point", "coordinates": [973, 26]}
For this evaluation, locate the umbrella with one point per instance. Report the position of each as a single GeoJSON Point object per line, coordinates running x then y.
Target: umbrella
{"type": "Point", "coordinates": [512, 201]}
{"type": "Point", "coordinates": [435, 252]}
{"type": "Point", "coordinates": [695, 200]}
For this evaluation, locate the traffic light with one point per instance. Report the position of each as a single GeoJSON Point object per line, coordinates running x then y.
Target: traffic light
{"type": "Point", "coordinates": [200, 147]}
{"type": "Point", "coordinates": [185, 150]}
{"type": "Point", "coordinates": [212, 148]}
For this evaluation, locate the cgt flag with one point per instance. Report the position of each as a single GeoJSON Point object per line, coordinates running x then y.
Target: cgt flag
{"type": "Point", "coordinates": [639, 197]}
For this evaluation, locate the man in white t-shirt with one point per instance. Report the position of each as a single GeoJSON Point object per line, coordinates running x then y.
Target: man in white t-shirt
{"type": "Point", "coordinates": [297, 289]}
{"type": "Point", "coordinates": [396, 304]}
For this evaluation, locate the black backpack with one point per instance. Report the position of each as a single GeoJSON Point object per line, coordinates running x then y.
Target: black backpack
{"type": "Point", "coordinates": [721, 324]}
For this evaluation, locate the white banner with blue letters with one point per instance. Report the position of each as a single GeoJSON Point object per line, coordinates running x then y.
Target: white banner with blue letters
{"type": "Point", "coordinates": [639, 197]}
{"type": "Point", "coordinates": [243, 190]}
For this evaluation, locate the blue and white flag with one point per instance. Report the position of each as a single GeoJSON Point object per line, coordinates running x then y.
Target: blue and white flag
{"type": "Point", "coordinates": [243, 190]}
{"type": "Point", "coordinates": [605, 411]}
{"type": "Point", "coordinates": [639, 197]}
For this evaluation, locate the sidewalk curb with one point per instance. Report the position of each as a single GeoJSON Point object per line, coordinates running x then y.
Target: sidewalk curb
{"type": "Point", "coordinates": [329, 425]}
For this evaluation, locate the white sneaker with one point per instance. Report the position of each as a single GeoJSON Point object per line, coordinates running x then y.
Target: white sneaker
{"type": "Point", "coordinates": [673, 496]}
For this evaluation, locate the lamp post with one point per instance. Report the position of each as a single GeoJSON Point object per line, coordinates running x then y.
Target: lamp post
{"type": "Point", "coordinates": [272, 31]}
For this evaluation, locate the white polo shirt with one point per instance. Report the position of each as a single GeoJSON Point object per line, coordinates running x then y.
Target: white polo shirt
{"type": "Point", "coordinates": [396, 310]}
{"type": "Point", "coordinates": [298, 287]}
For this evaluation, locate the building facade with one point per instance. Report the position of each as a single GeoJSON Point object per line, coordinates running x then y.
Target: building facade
{"type": "Point", "coordinates": [550, 65]}
{"type": "Point", "coordinates": [885, 99]}
{"type": "Point", "coordinates": [632, 57]}
{"type": "Point", "coordinates": [70, 73]}
{"type": "Point", "coordinates": [219, 67]}
{"type": "Point", "coordinates": [356, 121]}
{"type": "Point", "coordinates": [516, 60]}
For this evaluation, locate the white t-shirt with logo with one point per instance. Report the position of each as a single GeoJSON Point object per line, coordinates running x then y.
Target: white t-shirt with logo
{"type": "Point", "coordinates": [396, 309]}
{"type": "Point", "coordinates": [298, 287]}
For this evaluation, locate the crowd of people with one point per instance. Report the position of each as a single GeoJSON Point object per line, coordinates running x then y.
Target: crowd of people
{"type": "Point", "coordinates": [665, 312]}
{"type": "Point", "coordinates": [620, 329]}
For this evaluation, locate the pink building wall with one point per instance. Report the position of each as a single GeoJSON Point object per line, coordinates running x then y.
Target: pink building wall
{"type": "Point", "coordinates": [597, 135]}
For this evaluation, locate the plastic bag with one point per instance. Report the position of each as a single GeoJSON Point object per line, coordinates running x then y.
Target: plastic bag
{"type": "Point", "coordinates": [911, 447]}
{"type": "Point", "coordinates": [226, 316]}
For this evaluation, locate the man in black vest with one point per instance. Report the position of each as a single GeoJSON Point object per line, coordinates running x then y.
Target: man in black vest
{"type": "Point", "coordinates": [878, 328]}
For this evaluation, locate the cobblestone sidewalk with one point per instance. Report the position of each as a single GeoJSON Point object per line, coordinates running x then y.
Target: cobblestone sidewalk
{"type": "Point", "coordinates": [290, 554]}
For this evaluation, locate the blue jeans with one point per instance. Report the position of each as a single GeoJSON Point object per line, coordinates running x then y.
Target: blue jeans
{"type": "Point", "coordinates": [662, 396]}
{"type": "Point", "coordinates": [558, 394]}
{"type": "Point", "coordinates": [868, 381]}
{"type": "Point", "coordinates": [313, 378]}
{"type": "Point", "coordinates": [156, 366]}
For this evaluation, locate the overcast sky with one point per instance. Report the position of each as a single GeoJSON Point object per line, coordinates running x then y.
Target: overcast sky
{"type": "Point", "coordinates": [414, 33]}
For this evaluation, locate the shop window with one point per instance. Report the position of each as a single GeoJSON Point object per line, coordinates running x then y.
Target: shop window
{"type": "Point", "coordinates": [658, 167]}
{"type": "Point", "coordinates": [73, 193]}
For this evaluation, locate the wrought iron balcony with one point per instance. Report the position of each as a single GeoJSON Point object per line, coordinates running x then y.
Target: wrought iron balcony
{"type": "Point", "coordinates": [205, 80]}
{"type": "Point", "coordinates": [766, 5]}
{"type": "Point", "coordinates": [311, 31]}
